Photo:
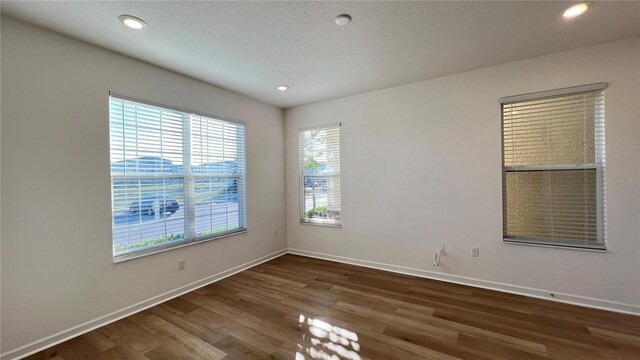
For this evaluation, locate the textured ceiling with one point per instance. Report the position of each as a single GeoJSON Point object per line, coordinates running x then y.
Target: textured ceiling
{"type": "Point", "coordinates": [250, 47]}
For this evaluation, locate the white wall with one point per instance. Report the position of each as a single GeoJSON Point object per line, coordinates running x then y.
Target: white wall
{"type": "Point", "coordinates": [57, 268]}
{"type": "Point", "coordinates": [421, 165]}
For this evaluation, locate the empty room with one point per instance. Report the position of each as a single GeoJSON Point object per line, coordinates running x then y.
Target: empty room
{"type": "Point", "coordinates": [320, 180]}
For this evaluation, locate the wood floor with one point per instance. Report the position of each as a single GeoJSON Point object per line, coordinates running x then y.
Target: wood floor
{"type": "Point", "coordinates": [298, 308]}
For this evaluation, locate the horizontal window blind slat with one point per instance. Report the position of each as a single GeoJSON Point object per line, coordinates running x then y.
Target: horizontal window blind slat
{"type": "Point", "coordinates": [555, 107]}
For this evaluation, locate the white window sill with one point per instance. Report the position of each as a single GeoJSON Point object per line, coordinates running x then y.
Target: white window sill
{"type": "Point", "coordinates": [559, 246]}
{"type": "Point", "coordinates": [321, 223]}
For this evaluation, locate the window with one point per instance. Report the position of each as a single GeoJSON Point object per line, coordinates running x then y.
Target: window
{"type": "Point", "coordinates": [319, 154]}
{"type": "Point", "coordinates": [553, 167]}
{"type": "Point", "coordinates": [176, 178]}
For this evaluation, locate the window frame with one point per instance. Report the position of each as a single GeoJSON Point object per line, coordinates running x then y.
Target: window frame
{"type": "Point", "coordinates": [301, 179]}
{"type": "Point", "coordinates": [188, 178]}
{"type": "Point", "coordinates": [598, 166]}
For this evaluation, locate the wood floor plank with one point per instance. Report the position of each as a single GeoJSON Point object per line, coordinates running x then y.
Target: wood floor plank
{"type": "Point", "coordinates": [123, 351]}
{"type": "Point", "coordinates": [207, 331]}
{"type": "Point", "coordinates": [295, 307]}
{"type": "Point", "coordinates": [176, 342]}
{"type": "Point", "coordinates": [241, 349]}
{"type": "Point", "coordinates": [618, 336]}
{"type": "Point", "coordinates": [423, 339]}
{"type": "Point", "coordinates": [76, 348]}
{"type": "Point", "coordinates": [487, 346]}
{"type": "Point", "coordinates": [125, 331]}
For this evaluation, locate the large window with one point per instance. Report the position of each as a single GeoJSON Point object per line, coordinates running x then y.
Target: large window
{"type": "Point", "coordinates": [176, 178]}
{"type": "Point", "coordinates": [553, 167]}
{"type": "Point", "coordinates": [319, 156]}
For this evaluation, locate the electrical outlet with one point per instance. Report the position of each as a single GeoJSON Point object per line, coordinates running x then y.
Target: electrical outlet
{"type": "Point", "coordinates": [181, 265]}
{"type": "Point", "coordinates": [475, 252]}
{"type": "Point", "coordinates": [275, 233]}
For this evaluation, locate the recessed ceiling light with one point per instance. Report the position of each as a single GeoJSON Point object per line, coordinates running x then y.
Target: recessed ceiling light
{"type": "Point", "coordinates": [343, 19]}
{"type": "Point", "coordinates": [576, 10]}
{"type": "Point", "coordinates": [133, 22]}
{"type": "Point", "coordinates": [282, 87]}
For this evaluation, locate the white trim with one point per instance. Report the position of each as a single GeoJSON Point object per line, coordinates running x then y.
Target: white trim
{"type": "Point", "coordinates": [552, 167]}
{"type": "Point", "coordinates": [591, 302]}
{"type": "Point", "coordinates": [77, 330]}
{"type": "Point", "coordinates": [550, 93]}
{"type": "Point", "coordinates": [602, 250]}
{"type": "Point", "coordinates": [331, 224]}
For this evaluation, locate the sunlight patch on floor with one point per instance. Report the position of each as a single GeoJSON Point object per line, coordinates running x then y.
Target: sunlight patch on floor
{"type": "Point", "coordinates": [323, 341]}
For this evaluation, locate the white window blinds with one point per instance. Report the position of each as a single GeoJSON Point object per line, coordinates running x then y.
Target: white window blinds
{"type": "Point", "coordinates": [218, 170]}
{"type": "Point", "coordinates": [176, 177]}
{"type": "Point", "coordinates": [553, 168]}
{"type": "Point", "coordinates": [319, 164]}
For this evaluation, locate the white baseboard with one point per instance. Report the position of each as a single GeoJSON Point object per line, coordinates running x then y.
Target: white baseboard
{"type": "Point", "coordinates": [77, 330]}
{"type": "Point", "coordinates": [514, 289]}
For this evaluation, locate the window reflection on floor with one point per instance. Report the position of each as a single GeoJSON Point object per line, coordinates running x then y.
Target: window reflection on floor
{"type": "Point", "coordinates": [321, 340]}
